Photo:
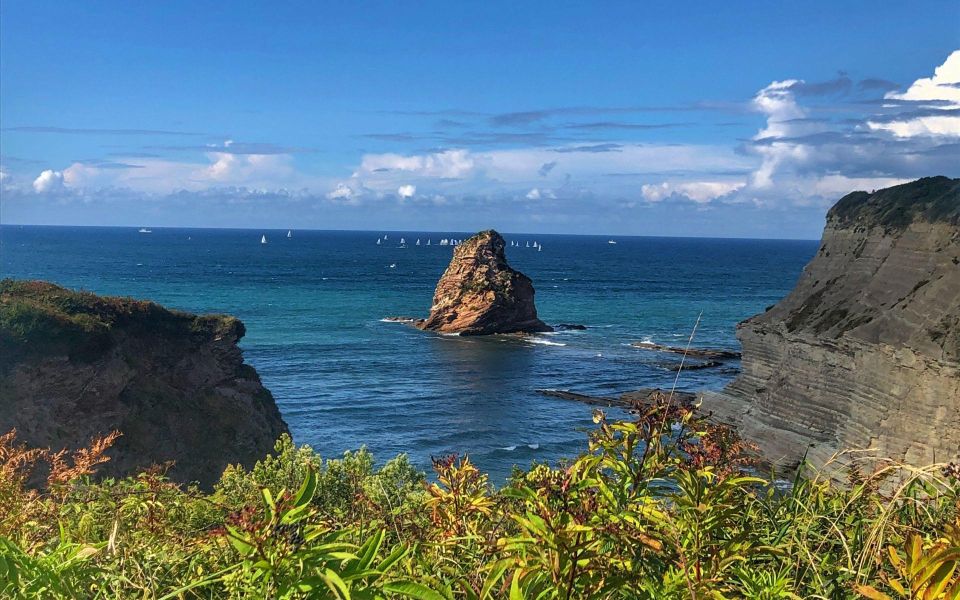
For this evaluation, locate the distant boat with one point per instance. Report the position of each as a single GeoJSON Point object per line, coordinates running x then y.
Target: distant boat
{"type": "Point", "coordinates": [611, 242]}
{"type": "Point", "coordinates": [263, 239]}
{"type": "Point", "coordinates": [418, 241]}
{"type": "Point", "coordinates": [539, 248]}
{"type": "Point", "coordinates": [144, 230]}
{"type": "Point", "coordinates": [528, 244]}
{"type": "Point", "coordinates": [378, 241]}
{"type": "Point", "coordinates": [289, 234]}
{"type": "Point", "coordinates": [428, 242]}
{"type": "Point", "coordinates": [403, 243]}
{"type": "Point", "coordinates": [384, 237]}
{"type": "Point", "coordinates": [393, 266]}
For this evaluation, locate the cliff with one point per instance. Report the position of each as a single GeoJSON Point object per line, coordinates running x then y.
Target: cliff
{"type": "Point", "coordinates": [480, 294]}
{"type": "Point", "coordinates": [863, 353]}
{"type": "Point", "coordinates": [73, 365]}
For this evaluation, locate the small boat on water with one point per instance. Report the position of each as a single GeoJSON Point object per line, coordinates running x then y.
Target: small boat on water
{"type": "Point", "coordinates": [428, 242]}
{"type": "Point", "coordinates": [263, 239]}
{"type": "Point", "coordinates": [528, 244]}
{"type": "Point", "coordinates": [403, 243]}
{"type": "Point", "coordinates": [289, 233]}
{"type": "Point", "coordinates": [144, 230]}
{"type": "Point", "coordinates": [611, 242]}
{"type": "Point", "coordinates": [540, 248]}
{"type": "Point", "coordinates": [418, 241]}
{"type": "Point", "coordinates": [378, 241]}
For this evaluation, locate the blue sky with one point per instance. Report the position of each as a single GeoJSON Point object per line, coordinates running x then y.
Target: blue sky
{"type": "Point", "coordinates": [744, 119]}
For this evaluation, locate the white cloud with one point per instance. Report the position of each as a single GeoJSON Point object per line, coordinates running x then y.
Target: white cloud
{"type": "Point", "coordinates": [942, 91]}
{"type": "Point", "coordinates": [453, 164]}
{"type": "Point", "coordinates": [406, 191]}
{"type": "Point", "coordinates": [341, 192]}
{"type": "Point", "coordinates": [48, 181]}
{"type": "Point", "coordinates": [533, 194]}
{"type": "Point", "coordinates": [700, 192]}
{"type": "Point", "coordinates": [942, 86]}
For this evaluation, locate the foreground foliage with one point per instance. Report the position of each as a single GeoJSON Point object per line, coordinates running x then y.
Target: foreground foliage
{"type": "Point", "coordinates": [666, 506]}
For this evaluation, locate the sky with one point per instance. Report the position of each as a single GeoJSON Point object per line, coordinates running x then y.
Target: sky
{"type": "Point", "coordinates": [744, 119]}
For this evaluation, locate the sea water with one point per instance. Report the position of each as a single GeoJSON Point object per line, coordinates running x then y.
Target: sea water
{"type": "Point", "coordinates": [314, 305]}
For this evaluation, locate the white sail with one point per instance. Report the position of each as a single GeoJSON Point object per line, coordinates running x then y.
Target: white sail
{"type": "Point", "coordinates": [289, 234]}
{"type": "Point", "coordinates": [418, 241]}
{"type": "Point", "coordinates": [428, 242]}
{"type": "Point", "coordinates": [263, 239]}
{"type": "Point", "coordinates": [378, 241]}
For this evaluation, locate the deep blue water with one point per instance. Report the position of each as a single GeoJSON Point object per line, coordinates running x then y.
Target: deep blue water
{"type": "Point", "coordinates": [313, 306]}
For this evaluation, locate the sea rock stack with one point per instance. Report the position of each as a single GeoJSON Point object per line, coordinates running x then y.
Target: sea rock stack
{"type": "Point", "coordinates": [74, 365]}
{"type": "Point", "coordinates": [865, 352]}
{"type": "Point", "coordinates": [479, 294]}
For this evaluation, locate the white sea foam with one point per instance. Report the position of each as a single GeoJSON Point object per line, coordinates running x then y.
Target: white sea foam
{"type": "Point", "coordinates": [509, 448]}
{"type": "Point", "coordinates": [544, 342]}
{"type": "Point", "coordinates": [533, 446]}
{"type": "Point", "coordinates": [385, 320]}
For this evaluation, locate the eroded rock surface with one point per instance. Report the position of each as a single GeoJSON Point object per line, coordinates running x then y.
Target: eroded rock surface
{"type": "Point", "coordinates": [75, 365]}
{"type": "Point", "coordinates": [864, 352]}
{"type": "Point", "coordinates": [480, 294]}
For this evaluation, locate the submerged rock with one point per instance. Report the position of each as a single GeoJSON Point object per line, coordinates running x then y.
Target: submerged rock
{"type": "Point", "coordinates": [705, 353]}
{"type": "Point", "coordinates": [865, 352]}
{"type": "Point", "coordinates": [479, 294]}
{"type": "Point", "coordinates": [74, 365]}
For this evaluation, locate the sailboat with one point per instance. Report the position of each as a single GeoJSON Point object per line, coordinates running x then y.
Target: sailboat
{"type": "Point", "coordinates": [528, 244]}
{"type": "Point", "coordinates": [289, 234]}
{"type": "Point", "coordinates": [144, 230]}
{"type": "Point", "coordinates": [378, 241]}
{"type": "Point", "coordinates": [540, 248]}
{"type": "Point", "coordinates": [418, 241]}
{"type": "Point", "coordinates": [263, 239]}
{"type": "Point", "coordinates": [403, 243]}
{"type": "Point", "coordinates": [428, 242]}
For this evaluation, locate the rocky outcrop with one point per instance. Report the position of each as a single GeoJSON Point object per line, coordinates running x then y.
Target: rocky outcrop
{"type": "Point", "coordinates": [480, 294]}
{"type": "Point", "coordinates": [865, 352]}
{"type": "Point", "coordinates": [75, 365]}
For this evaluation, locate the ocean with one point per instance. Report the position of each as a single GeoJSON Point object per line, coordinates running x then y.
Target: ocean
{"type": "Point", "coordinates": [343, 378]}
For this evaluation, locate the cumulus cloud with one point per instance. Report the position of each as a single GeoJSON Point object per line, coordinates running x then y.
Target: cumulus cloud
{"type": "Point", "coordinates": [533, 194]}
{"type": "Point", "coordinates": [940, 94]}
{"type": "Point", "coordinates": [406, 191]}
{"type": "Point", "coordinates": [700, 192]}
{"type": "Point", "coordinates": [48, 181]}
{"type": "Point", "coordinates": [453, 164]}
{"type": "Point", "coordinates": [341, 192]}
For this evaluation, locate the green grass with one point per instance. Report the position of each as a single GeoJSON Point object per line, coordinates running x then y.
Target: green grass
{"type": "Point", "coordinates": [44, 319]}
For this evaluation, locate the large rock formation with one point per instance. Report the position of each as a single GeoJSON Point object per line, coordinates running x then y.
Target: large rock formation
{"type": "Point", "coordinates": [864, 352]}
{"type": "Point", "coordinates": [74, 365]}
{"type": "Point", "coordinates": [480, 294]}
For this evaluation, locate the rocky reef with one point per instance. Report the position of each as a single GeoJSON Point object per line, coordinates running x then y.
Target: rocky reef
{"type": "Point", "coordinates": [865, 352]}
{"type": "Point", "coordinates": [479, 294]}
{"type": "Point", "coordinates": [74, 365]}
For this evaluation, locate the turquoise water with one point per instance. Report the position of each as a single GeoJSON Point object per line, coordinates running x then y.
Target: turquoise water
{"type": "Point", "coordinates": [313, 306]}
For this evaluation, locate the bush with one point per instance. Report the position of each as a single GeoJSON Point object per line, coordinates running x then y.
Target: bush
{"type": "Point", "coordinates": [666, 506]}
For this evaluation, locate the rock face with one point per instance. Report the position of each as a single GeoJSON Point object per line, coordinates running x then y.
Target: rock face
{"type": "Point", "coordinates": [74, 365]}
{"type": "Point", "coordinates": [864, 352]}
{"type": "Point", "coordinates": [480, 294]}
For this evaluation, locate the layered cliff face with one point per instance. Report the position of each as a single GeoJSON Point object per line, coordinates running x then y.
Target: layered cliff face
{"type": "Point", "coordinates": [480, 294]}
{"type": "Point", "coordinates": [865, 351]}
{"type": "Point", "coordinates": [74, 365]}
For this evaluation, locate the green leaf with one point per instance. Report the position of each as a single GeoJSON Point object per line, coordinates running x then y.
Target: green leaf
{"type": "Point", "coordinates": [412, 589]}
{"type": "Point", "coordinates": [307, 489]}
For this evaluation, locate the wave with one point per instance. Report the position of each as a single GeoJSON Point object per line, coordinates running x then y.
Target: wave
{"type": "Point", "coordinates": [544, 342]}
{"type": "Point", "coordinates": [396, 320]}
{"type": "Point", "coordinates": [514, 447]}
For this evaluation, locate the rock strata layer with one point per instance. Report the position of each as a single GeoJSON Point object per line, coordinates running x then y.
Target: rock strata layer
{"type": "Point", "coordinates": [863, 353]}
{"type": "Point", "coordinates": [479, 294]}
{"type": "Point", "coordinates": [75, 365]}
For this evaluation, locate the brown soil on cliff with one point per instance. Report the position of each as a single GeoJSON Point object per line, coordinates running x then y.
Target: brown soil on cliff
{"type": "Point", "coordinates": [74, 365]}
